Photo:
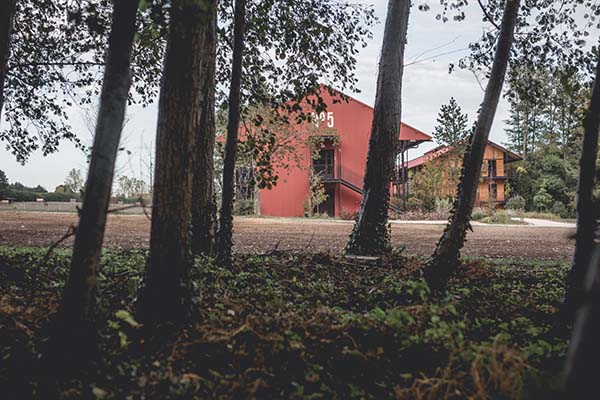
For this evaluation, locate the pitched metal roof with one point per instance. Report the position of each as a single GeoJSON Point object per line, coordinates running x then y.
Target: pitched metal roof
{"type": "Point", "coordinates": [407, 133]}
{"type": "Point", "coordinates": [441, 150]}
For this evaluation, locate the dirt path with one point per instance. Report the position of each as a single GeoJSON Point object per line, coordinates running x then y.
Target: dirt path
{"type": "Point", "coordinates": [263, 234]}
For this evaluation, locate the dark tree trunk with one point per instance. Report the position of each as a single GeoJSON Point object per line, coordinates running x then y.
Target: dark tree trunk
{"type": "Point", "coordinates": [586, 220]}
{"type": "Point", "coordinates": [445, 258]}
{"type": "Point", "coordinates": [77, 306]}
{"type": "Point", "coordinates": [224, 235]}
{"type": "Point", "coordinates": [203, 201]}
{"type": "Point", "coordinates": [7, 15]}
{"type": "Point", "coordinates": [526, 136]}
{"type": "Point", "coordinates": [584, 350]}
{"type": "Point", "coordinates": [370, 235]}
{"type": "Point", "coordinates": [165, 291]}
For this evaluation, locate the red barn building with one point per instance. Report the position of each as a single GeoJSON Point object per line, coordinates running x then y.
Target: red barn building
{"type": "Point", "coordinates": [341, 164]}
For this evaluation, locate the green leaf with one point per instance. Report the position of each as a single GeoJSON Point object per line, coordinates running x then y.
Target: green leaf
{"type": "Point", "coordinates": [126, 317]}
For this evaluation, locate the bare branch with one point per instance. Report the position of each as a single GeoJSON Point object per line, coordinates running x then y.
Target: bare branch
{"type": "Point", "coordinates": [487, 15]}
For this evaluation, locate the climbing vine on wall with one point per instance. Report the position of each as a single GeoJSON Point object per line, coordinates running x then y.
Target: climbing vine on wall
{"type": "Point", "coordinates": [316, 194]}
{"type": "Point", "coordinates": [316, 142]}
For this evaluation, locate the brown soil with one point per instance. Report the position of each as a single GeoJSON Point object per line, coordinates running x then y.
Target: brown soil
{"type": "Point", "coordinates": [264, 234]}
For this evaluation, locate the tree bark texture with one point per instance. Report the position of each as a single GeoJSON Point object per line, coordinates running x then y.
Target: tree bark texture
{"type": "Point", "coordinates": [79, 293]}
{"type": "Point", "coordinates": [203, 193]}
{"type": "Point", "coordinates": [165, 291]}
{"type": "Point", "coordinates": [586, 215]}
{"type": "Point", "coordinates": [371, 235]}
{"type": "Point", "coordinates": [7, 16]}
{"type": "Point", "coordinates": [446, 256]}
{"type": "Point", "coordinates": [224, 235]}
{"type": "Point", "coordinates": [584, 350]}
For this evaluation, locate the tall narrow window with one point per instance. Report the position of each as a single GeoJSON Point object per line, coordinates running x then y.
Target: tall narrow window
{"type": "Point", "coordinates": [493, 192]}
{"type": "Point", "coordinates": [491, 168]}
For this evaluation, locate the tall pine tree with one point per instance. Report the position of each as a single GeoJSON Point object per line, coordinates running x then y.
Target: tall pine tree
{"type": "Point", "coordinates": [451, 125]}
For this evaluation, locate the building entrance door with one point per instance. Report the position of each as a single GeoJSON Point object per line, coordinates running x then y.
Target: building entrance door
{"type": "Point", "coordinates": [324, 164]}
{"type": "Point", "coordinates": [328, 206]}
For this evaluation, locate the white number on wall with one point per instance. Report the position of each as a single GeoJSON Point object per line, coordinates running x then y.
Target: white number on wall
{"type": "Point", "coordinates": [323, 117]}
{"type": "Point", "coordinates": [330, 120]}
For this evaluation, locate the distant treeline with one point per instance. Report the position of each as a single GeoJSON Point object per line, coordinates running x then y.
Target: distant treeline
{"type": "Point", "coordinates": [18, 192]}
{"type": "Point", "coordinates": [29, 195]}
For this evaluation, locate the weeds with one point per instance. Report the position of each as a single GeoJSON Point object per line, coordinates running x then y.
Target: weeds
{"type": "Point", "coordinates": [299, 326]}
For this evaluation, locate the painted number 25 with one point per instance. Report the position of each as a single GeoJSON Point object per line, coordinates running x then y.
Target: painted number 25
{"type": "Point", "coordinates": [322, 117]}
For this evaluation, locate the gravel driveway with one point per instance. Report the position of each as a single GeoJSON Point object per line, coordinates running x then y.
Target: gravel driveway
{"type": "Point", "coordinates": [253, 234]}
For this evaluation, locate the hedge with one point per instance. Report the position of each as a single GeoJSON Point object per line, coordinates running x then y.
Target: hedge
{"type": "Point", "coordinates": [25, 195]}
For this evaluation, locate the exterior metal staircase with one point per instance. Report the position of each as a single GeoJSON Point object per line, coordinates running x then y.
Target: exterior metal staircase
{"type": "Point", "coordinates": [349, 179]}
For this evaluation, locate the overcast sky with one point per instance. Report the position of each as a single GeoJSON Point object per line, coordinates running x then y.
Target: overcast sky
{"type": "Point", "coordinates": [426, 86]}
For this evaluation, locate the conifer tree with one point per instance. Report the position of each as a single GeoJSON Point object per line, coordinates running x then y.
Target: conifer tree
{"type": "Point", "coordinates": [451, 125]}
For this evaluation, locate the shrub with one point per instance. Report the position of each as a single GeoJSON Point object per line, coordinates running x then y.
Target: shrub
{"type": "Point", "coordinates": [348, 215]}
{"type": "Point", "coordinates": [516, 203]}
{"type": "Point", "coordinates": [443, 205]}
{"type": "Point", "coordinates": [479, 214]}
{"type": "Point", "coordinates": [421, 215]}
{"type": "Point", "coordinates": [396, 202]}
{"type": "Point", "coordinates": [61, 196]}
{"type": "Point", "coordinates": [428, 184]}
{"type": "Point", "coordinates": [498, 217]}
{"type": "Point", "coordinates": [542, 199]}
{"type": "Point", "coordinates": [125, 200]}
{"type": "Point", "coordinates": [243, 207]}
{"type": "Point", "coordinates": [558, 208]}
{"type": "Point", "coordinates": [569, 213]}
{"type": "Point", "coordinates": [28, 195]}
{"type": "Point", "coordinates": [21, 195]}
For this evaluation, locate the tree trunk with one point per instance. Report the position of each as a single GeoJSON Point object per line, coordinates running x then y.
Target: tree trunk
{"type": "Point", "coordinates": [76, 312]}
{"type": "Point", "coordinates": [371, 235]}
{"type": "Point", "coordinates": [165, 292]}
{"type": "Point", "coordinates": [7, 15]}
{"type": "Point", "coordinates": [586, 221]}
{"type": "Point", "coordinates": [584, 350]}
{"type": "Point", "coordinates": [445, 258]}
{"type": "Point", "coordinates": [224, 235]}
{"type": "Point", "coordinates": [203, 193]}
{"type": "Point", "coordinates": [526, 135]}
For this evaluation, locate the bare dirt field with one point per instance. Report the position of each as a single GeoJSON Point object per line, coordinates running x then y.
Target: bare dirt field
{"type": "Point", "coordinates": [263, 234]}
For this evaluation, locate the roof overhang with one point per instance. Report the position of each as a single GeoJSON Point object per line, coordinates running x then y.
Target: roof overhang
{"type": "Point", "coordinates": [510, 156]}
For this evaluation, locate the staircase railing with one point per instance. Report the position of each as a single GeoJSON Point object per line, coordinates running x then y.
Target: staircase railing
{"type": "Point", "coordinates": [351, 177]}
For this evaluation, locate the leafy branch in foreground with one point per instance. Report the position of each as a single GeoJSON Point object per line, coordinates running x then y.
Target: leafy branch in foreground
{"type": "Point", "coordinates": [57, 53]}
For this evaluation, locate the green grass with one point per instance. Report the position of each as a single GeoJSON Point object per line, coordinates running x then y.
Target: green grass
{"type": "Point", "coordinates": [301, 326]}
{"type": "Point", "coordinates": [506, 216]}
{"type": "Point", "coordinates": [501, 218]}
{"type": "Point", "coordinates": [542, 215]}
{"type": "Point", "coordinates": [496, 217]}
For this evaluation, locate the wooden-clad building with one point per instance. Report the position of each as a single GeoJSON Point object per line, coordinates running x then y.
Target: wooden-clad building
{"type": "Point", "coordinates": [494, 174]}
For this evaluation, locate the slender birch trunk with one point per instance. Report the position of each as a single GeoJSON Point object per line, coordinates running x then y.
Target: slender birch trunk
{"type": "Point", "coordinates": [446, 256]}
{"type": "Point", "coordinates": [371, 235]}
{"type": "Point", "coordinates": [78, 302]}
{"type": "Point", "coordinates": [225, 232]}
